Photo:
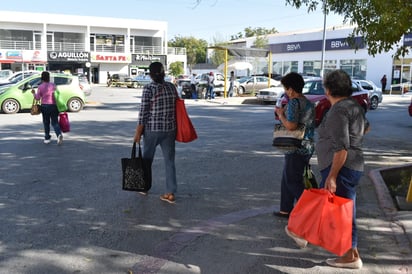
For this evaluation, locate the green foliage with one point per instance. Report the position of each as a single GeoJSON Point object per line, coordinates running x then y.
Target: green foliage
{"type": "Point", "coordinates": [195, 48]}
{"type": "Point", "coordinates": [381, 23]}
{"type": "Point", "coordinates": [261, 42]}
{"type": "Point", "coordinates": [176, 68]}
{"type": "Point", "coordinates": [253, 32]}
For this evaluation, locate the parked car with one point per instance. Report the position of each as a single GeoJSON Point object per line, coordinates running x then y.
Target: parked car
{"type": "Point", "coordinates": [255, 83]}
{"type": "Point", "coordinates": [17, 77]}
{"type": "Point", "coordinates": [5, 73]}
{"type": "Point", "coordinates": [410, 108]}
{"type": "Point", "coordinates": [141, 80]}
{"type": "Point", "coordinates": [184, 88]}
{"type": "Point", "coordinates": [19, 97]}
{"type": "Point", "coordinates": [270, 95]}
{"type": "Point", "coordinates": [85, 84]}
{"type": "Point", "coordinates": [314, 91]}
{"type": "Point", "coordinates": [375, 93]}
{"type": "Point", "coordinates": [120, 79]}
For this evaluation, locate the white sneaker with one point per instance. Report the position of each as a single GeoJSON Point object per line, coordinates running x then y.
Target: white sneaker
{"type": "Point", "coordinates": [46, 141]}
{"type": "Point", "coordinates": [302, 243]}
{"type": "Point", "coordinates": [59, 139]}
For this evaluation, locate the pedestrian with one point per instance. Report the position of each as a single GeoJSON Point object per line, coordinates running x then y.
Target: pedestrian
{"type": "Point", "coordinates": [49, 111]}
{"type": "Point", "coordinates": [210, 86]}
{"type": "Point", "coordinates": [232, 83]}
{"type": "Point", "coordinates": [193, 85]}
{"type": "Point", "coordinates": [339, 152]}
{"type": "Point", "coordinates": [383, 82]}
{"type": "Point", "coordinates": [298, 111]}
{"type": "Point", "coordinates": [157, 125]}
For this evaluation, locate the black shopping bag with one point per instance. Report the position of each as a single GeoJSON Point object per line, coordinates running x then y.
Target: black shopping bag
{"type": "Point", "coordinates": [137, 174]}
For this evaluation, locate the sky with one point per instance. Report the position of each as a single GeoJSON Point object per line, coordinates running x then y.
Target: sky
{"type": "Point", "coordinates": [211, 20]}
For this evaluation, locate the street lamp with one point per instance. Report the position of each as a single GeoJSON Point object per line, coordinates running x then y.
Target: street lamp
{"type": "Point", "coordinates": [322, 69]}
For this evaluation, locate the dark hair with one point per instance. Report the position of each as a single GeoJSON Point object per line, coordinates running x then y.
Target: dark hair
{"type": "Point", "coordinates": [338, 83]}
{"type": "Point", "coordinates": [45, 76]}
{"type": "Point", "coordinates": [293, 80]}
{"type": "Point", "coordinates": [157, 72]}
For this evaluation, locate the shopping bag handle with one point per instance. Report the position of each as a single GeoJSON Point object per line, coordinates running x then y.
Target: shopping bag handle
{"type": "Point", "coordinates": [134, 151]}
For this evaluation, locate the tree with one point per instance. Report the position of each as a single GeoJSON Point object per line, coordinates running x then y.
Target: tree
{"type": "Point", "coordinates": [176, 68]}
{"type": "Point", "coordinates": [253, 32]}
{"type": "Point", "coordinates": [381, 23]}
{"type": "Point", "coordinates": [261, 42]}
{"type": "Point", "coordinates": [195, 48]}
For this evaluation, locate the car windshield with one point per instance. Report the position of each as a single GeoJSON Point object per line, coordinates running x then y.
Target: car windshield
{"type": "Point", "coordinates": [243, 79]}
{"type": "Point", "coordinates": [313, 87]}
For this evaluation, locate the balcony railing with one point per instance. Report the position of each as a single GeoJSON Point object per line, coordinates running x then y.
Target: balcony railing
{"type": "Point", "coordinates": [65, 46]}
{"type": "Point", "coordinates": [16, 45]}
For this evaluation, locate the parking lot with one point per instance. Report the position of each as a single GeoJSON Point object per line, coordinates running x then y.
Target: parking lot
{"type": "Point", "coordinates": [63, 210]}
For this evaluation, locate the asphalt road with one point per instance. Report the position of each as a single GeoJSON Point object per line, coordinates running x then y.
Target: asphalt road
{"type": "Point", "coordinates": [63, 211]}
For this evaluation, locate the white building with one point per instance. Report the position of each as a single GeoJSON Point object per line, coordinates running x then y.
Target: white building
{"type": "Point", "coordinates": [96, 46]}
{"type": "Point", "coordinates": [301, 51]}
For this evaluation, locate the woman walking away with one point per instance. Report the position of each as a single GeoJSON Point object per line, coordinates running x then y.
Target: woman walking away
{"type": "Point", "coordinates": [50, 113]}
{"type": "Point", "coordinates": [157, 125]}
{"type": "Point", "coordinates": [298, 111]}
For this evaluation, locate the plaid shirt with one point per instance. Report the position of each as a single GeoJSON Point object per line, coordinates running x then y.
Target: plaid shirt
{"type": "Point", "coordinates": [158, 107]}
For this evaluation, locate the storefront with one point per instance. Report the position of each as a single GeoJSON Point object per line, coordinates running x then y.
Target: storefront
{"type": "Point", "coordinates": [73, 62]}
{"type": "Point", "coordinates": [140, 63]}
{"type": "Point", "coordinates": [20, 60]}
{"type": "Point", "coordinates": [104, 63]}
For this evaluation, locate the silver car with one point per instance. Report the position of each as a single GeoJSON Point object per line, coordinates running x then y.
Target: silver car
{"type": "Point", "coordinates": [375, 93]}
{"type": "Point", "coordinates": [270, 95]}
{"type": "Point", "coordinates": [255, 83]}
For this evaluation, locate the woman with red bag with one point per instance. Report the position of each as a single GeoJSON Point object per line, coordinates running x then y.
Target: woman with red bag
{"type": "Point", "coordinates": [157, 125]}
{"type": "Point", "coordinates": [340, 156]}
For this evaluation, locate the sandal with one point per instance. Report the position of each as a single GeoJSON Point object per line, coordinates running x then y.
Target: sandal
{"type": "Point", "coordinates": [168, 197]}
{"type": "Point", "coordinates": [280, 214]}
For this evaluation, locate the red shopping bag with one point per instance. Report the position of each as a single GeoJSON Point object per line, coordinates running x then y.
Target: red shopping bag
{"type": "Point", "coordinates": [64, 122]}
{"type": "Point", "coordinates": [323, 219]}
{"type": "Point", "coordinates": [185, 132]}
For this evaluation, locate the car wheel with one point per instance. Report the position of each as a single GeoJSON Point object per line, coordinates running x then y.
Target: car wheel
{"type": "Point", "coordinates": [75, 104]}
{"type": "Point", "coordinates": [374, 102]}
{"type": "Point", "coordinates": [241, 90]}
{"type": "Point", "coordinates": [135, 85]}
{"type": "Point", "coordinates": [10, 106]}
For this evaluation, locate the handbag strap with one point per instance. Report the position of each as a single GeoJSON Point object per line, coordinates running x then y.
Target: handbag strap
{"type": "Point", "coordinates": [134, 151]}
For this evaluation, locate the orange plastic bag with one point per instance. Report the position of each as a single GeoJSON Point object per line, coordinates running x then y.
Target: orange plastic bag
{"type": "Point", "coordinates": [185, 131]}
{"type": "Point", "coordinates": [323, 219]}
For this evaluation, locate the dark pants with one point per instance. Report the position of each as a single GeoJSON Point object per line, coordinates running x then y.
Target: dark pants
{"type": "Point", "coordinates": [292, 185]}
{"type": "Point", "coordinates": [346, 183]}
{"type": "Point", "coordinates": [50, 114]}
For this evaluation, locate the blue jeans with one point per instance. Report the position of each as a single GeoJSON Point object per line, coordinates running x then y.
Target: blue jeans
{"type": "Point", "coordinates": [210, 93]}
{"type": "Point", "coordinates": [166, 140]}
{"type": "Point", "coordinates": [50, 113]}
{"type": "Point", "coordinates": [346, 183]}
{"type": "Point", "coordinates": [292, 185]}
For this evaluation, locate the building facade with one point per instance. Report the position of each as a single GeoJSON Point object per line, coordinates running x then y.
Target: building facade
{"type": "Point", "coordinates": [301, 51]}
{"type": "Point", "coordinates": [95, 46]}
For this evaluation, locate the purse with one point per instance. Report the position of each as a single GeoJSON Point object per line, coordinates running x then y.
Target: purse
{"type": "Point", "coordinates": [309, 178]}
{"type": "Point", "coordinates": [64, 122]}
{"type": "Point", "coordinates": [185, 131]}
{"type": "Point", "coordinates": [137, 174]}
{"type": "Point", "coordinates": [285, 139]}
{"type": "Point", "coordinates": [35, 107]}
{"type": "Point", "coordinates": [323, 219]}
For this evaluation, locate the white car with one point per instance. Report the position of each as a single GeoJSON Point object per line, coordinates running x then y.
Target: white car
{"type": "Point", "coordinates": [270, 95]}
{"type": "Point", "coordinates": [375, 93]}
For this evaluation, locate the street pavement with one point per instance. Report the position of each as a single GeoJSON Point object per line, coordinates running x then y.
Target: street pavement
{"type": "Point", "coordinates": [63, 211]}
